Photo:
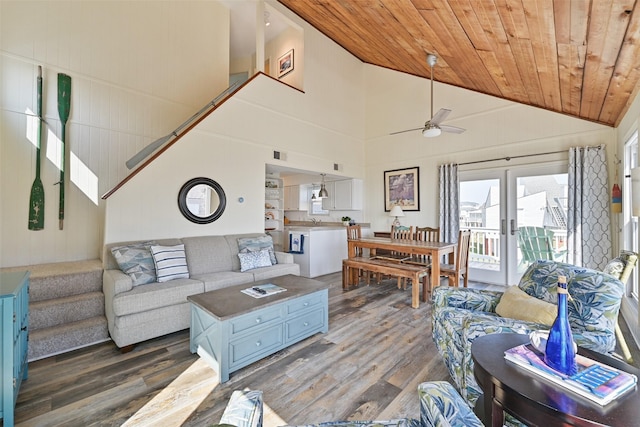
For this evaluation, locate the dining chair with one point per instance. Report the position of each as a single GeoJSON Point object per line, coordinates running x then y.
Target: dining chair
{"type": "Point", "coordinates": [401, 232]}
{"type": "Point", "coordinates": [460, 268]}
{"type": "Point", "coordinates": [355, 232]}
{"type": "Point", "coordinates": [424, 234]}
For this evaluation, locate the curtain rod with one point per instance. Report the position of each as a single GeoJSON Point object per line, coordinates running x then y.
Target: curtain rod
{"type": "Point", "coordinates": [523, 155]}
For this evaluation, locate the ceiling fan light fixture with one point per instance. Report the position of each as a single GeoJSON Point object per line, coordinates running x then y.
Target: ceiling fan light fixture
{"type": "Point", "coordinates": [431, 131]}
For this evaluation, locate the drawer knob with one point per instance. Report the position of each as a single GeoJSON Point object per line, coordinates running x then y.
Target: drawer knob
{"type": "Point", "coordinates": [258, 320]}
{"type": "Point", "coordinates": [305, 324]}
{"type": "Point", "coordinates": [258, 344]}
{"type": "Point", "coordinates": [306, 303]}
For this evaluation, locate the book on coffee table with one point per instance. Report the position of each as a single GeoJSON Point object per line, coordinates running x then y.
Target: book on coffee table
{"type": "Point", "coordinates": [261, 291]}
{"type": "Point", "coordinates": [595, 381]}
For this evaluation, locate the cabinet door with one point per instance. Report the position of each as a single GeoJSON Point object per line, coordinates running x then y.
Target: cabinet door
{"type": "Point", "coordinates": [287, 198]}
{"type": "Point", "coordinates": [343, 193]}
{"type": "Point", "coordinates": [329, 203]}
{"type": "Point", "coordinates": [347, 194]}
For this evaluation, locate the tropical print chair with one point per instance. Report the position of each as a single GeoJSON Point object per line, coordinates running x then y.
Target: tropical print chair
{"type": "Point", "coordinates": [442, 406]}
{"type": "Point", "coordinates": [461, 315]}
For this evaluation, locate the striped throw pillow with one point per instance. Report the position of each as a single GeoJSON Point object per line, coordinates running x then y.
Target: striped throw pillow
{"type": "Point", "coordinates": [171, 262]}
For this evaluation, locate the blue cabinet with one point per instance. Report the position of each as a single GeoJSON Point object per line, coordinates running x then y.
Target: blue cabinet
{"type": "Point", "coordinates": [233, 342]}
{"type": "Point", "coordinates": [14, 315]}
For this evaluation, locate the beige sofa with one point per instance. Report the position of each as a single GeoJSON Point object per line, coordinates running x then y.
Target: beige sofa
{"type": "Point", "coordinates": [139, 313]}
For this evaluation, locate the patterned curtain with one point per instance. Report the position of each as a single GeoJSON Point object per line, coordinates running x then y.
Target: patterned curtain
{"type": "Point", "coordinates": [588, 225]}
{"type": "Point", "coordinates": [449, 206]}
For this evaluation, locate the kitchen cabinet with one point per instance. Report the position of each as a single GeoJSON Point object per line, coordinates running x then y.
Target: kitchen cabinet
{"type": "Point", "coordinates": [344, 195]}
{"type": "Point", "coordinates": [323, 250]}
{"type": "Point", "coordinates": [295, 198]}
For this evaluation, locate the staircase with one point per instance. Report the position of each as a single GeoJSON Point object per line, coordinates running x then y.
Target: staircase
{"type": "Point", "coordinates": [66, 307]}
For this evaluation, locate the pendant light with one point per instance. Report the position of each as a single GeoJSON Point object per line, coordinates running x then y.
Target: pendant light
{"type": "Point", "coordinates": [323, 191]}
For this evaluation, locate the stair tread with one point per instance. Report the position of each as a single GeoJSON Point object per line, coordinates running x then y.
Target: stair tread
{"type": "Point", "coordinates": [60, 311]}
{"type": "Point", "coordinates": [70, 336]}
{"type": "Point", "coordinates": [64, 300]}
{"type": "Point", "coordinates": [37, 271]}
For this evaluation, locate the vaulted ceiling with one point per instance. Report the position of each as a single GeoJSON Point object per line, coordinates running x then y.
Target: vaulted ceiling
{"type": "Point", "coordinates": [577, 57]}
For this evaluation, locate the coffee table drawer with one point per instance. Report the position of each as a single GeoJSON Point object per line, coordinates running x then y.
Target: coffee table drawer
{"type": "Point", "coordinates": [256, 319]}
{"type": "Point", "coordinates": [255, 346]}
{"type": "Point", "coordinates": [306, 324]}
{"type": "Point", "coordinates": [306, 302]}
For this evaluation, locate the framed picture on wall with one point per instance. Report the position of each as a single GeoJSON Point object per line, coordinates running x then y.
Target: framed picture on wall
{"type": "Point", "coordinates": [402, 188]}
{"type": "Point", "coordinates": [285, 64]}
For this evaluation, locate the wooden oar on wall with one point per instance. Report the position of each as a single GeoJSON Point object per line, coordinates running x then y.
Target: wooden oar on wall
{"type": "Point", "coordinates": [64, 106]}
{"type": "Point", "coordinates": [36, 199]}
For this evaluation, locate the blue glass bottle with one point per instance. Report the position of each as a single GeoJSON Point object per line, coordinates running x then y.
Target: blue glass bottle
{"type": "Point", "coordinates": [559, 353]}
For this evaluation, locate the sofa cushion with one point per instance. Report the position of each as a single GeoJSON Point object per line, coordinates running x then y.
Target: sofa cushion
{"type": "Point", "coordinates": [170, 261]}
{"type": "Point", "coordinates": [155, 295]}
{"type": "Point", "coordinates": [517, 304]}
{"type": "Point", "coordinates": [136, 261]}
{"type": "Point", "coordinates": [208, 254]}
{"type": "Point", "coordinates": [264, 273]}
{"type": "Point", "coordinates": [253, 260]}
{"type": "Point", "coordinates": [223, 279]}
{"type": "Point", "coordinates": [255, 244]}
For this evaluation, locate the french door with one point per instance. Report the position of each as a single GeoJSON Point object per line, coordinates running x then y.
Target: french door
{"type": "Point", "coordinates": [516, 215]}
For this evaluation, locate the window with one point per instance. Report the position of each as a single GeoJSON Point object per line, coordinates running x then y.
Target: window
{"type": "Point", "coordinates": [315, 203]}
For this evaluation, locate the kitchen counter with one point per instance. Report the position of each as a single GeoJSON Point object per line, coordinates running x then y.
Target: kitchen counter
{"type": "Point", "coordinates": [308, 225]}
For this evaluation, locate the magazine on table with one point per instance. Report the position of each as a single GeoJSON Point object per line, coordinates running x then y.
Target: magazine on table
{"type": "Point", "coordinates": [595, 381]}
{"type": "Point", "coordinates": [261, 291]}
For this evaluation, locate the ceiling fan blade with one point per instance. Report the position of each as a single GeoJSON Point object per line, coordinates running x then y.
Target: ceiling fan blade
{"type": "Point", "coordinates": [440, 116]}
{"type": "Point", "coordinates": [451, 129]}
{"type": "Point", "coordinates": [407, 130]}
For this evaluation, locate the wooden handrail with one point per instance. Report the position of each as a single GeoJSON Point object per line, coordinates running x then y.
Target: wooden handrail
{"type": "Point", "coordinates": [166, 146]}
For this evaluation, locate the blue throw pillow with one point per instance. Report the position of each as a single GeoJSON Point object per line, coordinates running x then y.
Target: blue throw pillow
{"type": "Point", "coordinates": [136, 261]}
{"type": "Point", "coordinates": [254, 244]}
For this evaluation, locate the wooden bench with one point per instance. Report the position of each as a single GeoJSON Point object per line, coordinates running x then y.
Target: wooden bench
{"type": "Point", "coordinates": [414, 272]}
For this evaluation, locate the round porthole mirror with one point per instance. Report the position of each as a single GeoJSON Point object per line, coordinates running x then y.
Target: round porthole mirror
{"type": "Point", "coordinates": [202, 200]}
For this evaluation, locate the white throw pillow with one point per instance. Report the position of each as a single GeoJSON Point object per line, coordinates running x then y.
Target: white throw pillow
{"type": "Point", "coordinates": [171, 262]}
{"type": "Point", "coordinates": [251, 260]}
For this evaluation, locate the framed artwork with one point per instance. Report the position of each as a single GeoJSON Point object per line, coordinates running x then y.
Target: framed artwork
{"type": "Point", "coordinates": [285, 64]}
{"type": "Point", "coordinates": [402, 188]}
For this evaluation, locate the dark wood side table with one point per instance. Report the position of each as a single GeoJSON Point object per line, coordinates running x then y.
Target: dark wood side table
{"type": "Point", "coordinates": [536, 401]}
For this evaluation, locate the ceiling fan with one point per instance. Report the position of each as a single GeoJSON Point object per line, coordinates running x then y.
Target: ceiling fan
{"type": "Point", "coordinates": [434, 126]}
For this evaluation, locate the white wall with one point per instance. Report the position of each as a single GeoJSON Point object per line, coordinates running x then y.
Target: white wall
{"type": "Point", "coordinates": [312, 129]}
{"type": "Point", "coordinates": [496, 128]}
{"type": "Point", "coordinates": [138, 70]}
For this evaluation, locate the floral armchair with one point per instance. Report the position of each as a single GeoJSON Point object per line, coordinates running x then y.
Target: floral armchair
{"type": "Point", "coordinates": [461, 315]}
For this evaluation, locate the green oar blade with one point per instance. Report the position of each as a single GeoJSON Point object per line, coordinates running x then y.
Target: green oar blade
{"type": "Point", "coordinates": [36, 198]}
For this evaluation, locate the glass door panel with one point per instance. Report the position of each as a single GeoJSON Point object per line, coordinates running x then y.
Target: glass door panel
{"type": "Point", "coordinates": [481, 211]}
{"type": "Point", "coordinates": [515, 216]}
{"type": "Point", "coordinates": [540, 217]}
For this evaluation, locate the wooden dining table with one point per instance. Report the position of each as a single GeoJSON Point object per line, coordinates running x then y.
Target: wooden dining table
{"type": "Point", "coordinates": [414, 247]}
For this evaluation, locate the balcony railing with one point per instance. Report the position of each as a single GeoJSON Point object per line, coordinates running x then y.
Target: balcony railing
{"type": "Point", "coordinates": [484, 247]}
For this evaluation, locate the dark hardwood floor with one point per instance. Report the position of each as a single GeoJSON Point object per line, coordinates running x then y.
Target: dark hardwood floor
{"type": "Point", "coordinates": [368, 366]}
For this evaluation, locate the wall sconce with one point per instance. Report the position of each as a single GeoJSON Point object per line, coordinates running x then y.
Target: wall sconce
{"type": "Point", "coordinates": [396, 211]}
{"type": "Point", "coordinates": [635, 191]}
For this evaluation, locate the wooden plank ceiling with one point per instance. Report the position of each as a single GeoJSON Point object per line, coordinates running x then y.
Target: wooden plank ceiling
{"type": "Point", "coordinates": [577, 57]}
